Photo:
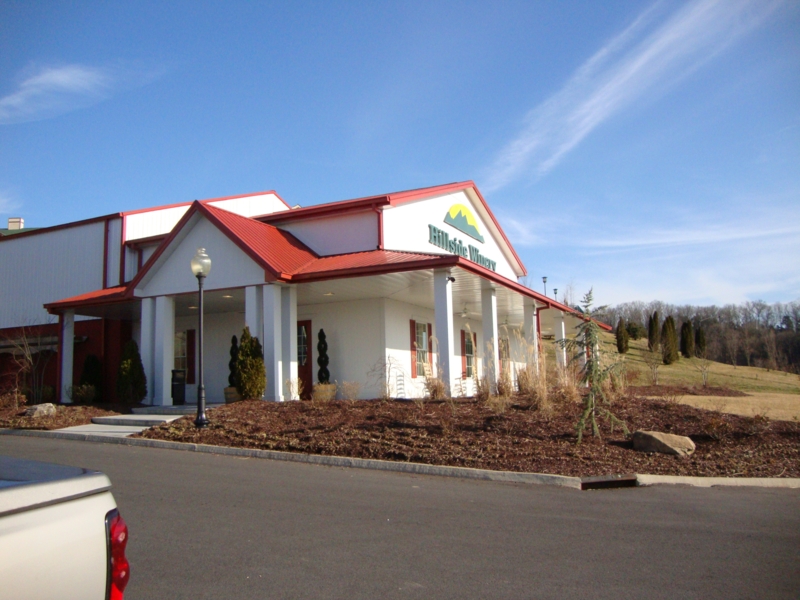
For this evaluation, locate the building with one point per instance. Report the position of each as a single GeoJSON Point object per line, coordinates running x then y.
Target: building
{"type": "Point", "coordinates": [405, 285]}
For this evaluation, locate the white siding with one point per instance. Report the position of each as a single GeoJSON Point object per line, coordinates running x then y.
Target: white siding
{"type": "Point", "coordinates": [217, 343]}
{"type": "Point", "coordinates": [161, 221]}
{"type": "Point", "coordinates": [354, 332]}
{"type": "Point", "coordinates": [405, 227]}
{"type": "Point", "coordinates": [46, 267]}
{"type": "Point", "coordinates": [230, 266]}
{"type": "Point", "coordinates": [114, 249]}
{"type": "Point", "coordinates": [356, 232]}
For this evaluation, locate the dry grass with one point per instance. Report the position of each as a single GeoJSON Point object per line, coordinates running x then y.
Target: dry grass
{"type": "Point", "coordinates": [350, 390]}
{"type": "Point", "coordinates": [322, 393]}
{"type": "Point", "coordinates": [435, 388]}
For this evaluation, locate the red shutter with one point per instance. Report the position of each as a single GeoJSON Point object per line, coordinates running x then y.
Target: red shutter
{"type": "Point", "coordinates": [190, 352]}
{"type": "Point", "coordinates": [413, 348]}
{"type": "Point", "coordinates": [463, 354]}
{"type": "Point", "coordinates": [430, 345]}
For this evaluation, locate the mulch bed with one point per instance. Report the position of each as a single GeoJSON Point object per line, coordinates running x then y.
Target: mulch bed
{"type": "Point", "coordinates": [467, 433]}
{"type": "Point", "coordinates": [66, 416]}
{"type": "Point", "coordinates": [677, 391]}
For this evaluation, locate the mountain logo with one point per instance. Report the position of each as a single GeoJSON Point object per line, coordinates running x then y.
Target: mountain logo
{"type": "Point", "coordinates": [460, 217]}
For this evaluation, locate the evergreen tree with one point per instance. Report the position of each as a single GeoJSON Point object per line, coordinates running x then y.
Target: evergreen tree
{"type": "Point", "coordinates": [252, 376]}
{"type": "Point", "coordinates": [635, 330]}
{"type": "Point", "coordinates": [687, 339]}
{"type": "Point", "coordinates": [700, 342]}
{"type": "Point", "coordinates": [323, 375]}
{"type": "Point", "coordinates": [594, 374]}
{"type": "Point", "coordinates": [653, 325]}
{"type": "Point", "coordinates": [669, 341]}
{"type": "Point", "coordinates": [622, 337]}
{"type": "Point", "coordinates": [131, 380]}
{"type": "Point", "coordinates": [92, 374]}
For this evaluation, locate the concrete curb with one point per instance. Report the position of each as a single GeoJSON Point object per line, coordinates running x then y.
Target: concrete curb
{"type": "Point", "coordinates": [315, 459]}
{"type": "Point", "coordinates": [767, 482]}
{"type": "Point", "coordinates": [416, 468]}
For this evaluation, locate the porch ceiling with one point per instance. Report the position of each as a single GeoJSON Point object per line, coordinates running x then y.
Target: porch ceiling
{"type": "Point", "coordinates": [416, 287]}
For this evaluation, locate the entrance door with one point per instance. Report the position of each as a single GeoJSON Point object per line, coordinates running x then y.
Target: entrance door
{"type": "Point", "coordinates": [304, 362]}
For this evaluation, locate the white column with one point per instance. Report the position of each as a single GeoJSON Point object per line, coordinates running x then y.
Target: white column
{"type": "Point", "coordinates": [254, 311]}
{"type": "Point", "coordinates": [271, 343]}
{"type": "Point", "coordinates": [561, 335]}
{"type": "Point", "coordinates": [67, 354]}
{"type": "Point", "coordinates": [147, 345]}
{"type": "Point", "coordinates": [443, 318]}
{"type": "Point", "coordinates": [491, 351]}
{"type": "Point", "coordinates": [289, 340]}
{"type": "Point", "coordinates": [531, 331]}
{"type": "Point", "coordinates": [164, 350]}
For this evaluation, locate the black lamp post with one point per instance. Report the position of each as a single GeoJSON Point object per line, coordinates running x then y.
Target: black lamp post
{"type": "Point", "coordinates": [201, 266]}
{"type": "Point", "coordinates": [544, 280]}
{"type": "Point", "coordinates": [555, 293]}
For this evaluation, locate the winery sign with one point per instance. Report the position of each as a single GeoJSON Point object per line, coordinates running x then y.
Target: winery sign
{"type": "Point", "coordinates": [460, 217]}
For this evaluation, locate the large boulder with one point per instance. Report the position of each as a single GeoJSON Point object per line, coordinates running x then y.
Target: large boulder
{"type": "Point", "coordinates": [47, 409]}
{"type": "Point", "coordinates": [666, 443]}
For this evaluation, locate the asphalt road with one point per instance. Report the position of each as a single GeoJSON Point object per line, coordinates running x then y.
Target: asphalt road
{"type": "Point", "coordinates": [205, 526]}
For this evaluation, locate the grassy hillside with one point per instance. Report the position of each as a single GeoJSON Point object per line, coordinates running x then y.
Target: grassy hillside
{"type": "Point", "coordinates": [685, 372]}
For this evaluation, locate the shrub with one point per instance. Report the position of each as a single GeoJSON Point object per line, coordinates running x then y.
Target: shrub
{"type": "Point", "coordinates": [82, 394]}
{"type": "Point", "coordinates": [92, 375]}
{"type": "Point", "coordinates": [635, 330]}
{"type": "Point", "coordinates": [700, 342]}
{"type": "Point", "coordinates": [482, 389]}
{"type": "Point", "coordinates": [252, 376]}
{"type": "Point", "coordinates": [233, 372]}
{"type": "Point", "coordinates": [131, 380]}
{"type": "Point", "coordinates": [504, 386]}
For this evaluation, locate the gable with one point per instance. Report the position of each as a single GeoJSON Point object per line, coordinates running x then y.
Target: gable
{"type": "Point", "coordinates": [452, 223]}
{"type": "Point", "coordinates": [171, 273]}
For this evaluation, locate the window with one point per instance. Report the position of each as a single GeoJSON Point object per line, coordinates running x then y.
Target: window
{"type": "Point", "coordinates": [180, 350]}
{"type": "Point", "coordinates": [469, 354]}
{"type": "Point", "coordinates": [302, 346]}
{"type": "Point", "coordinates": [421, 351]}
{"type": "Point", "coordinates": [422, 347]}
{"type": "Point", "coordinates": [505, 355]}
{"type": "Point", "coordinates": [184, 353]}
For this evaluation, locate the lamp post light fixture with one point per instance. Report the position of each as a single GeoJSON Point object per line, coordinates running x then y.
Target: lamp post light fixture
{"type": "Point", "coordinates": [555, 293]}
{"type": "Point", "coordinates": [544, 280]}
{"type": "Point", "coordinates": [201, 267]}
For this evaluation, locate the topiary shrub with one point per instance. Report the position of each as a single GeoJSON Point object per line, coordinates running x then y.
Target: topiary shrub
{"type": "Point", "coordinates": [653, 325]}
{"type": "Point", "coordinates": [700, 342]}
{"type": "Point", "coordinates": [233, 373]}
{"type": "Point", "coordinates": [323, 375]}
{"type": "Point", "coordinates": [92, 375]}
{"type": "Point", "coordinates": [131, 380]}
{"type": "Point", "coordinates": [252, 376]}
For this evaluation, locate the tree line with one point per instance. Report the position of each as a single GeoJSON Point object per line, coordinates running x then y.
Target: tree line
{"type": "Point", "coordinates": [752, 333]}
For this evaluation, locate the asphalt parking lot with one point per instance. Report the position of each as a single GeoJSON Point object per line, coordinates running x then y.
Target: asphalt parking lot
{"type": "Point", "coordinates": [206, 526]}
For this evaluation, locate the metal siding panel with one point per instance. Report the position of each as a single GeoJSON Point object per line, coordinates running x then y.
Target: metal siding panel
{"type": "Point", "coordinates": [47, 267]}
{"type": "Point", "coordinates": [114, 236]}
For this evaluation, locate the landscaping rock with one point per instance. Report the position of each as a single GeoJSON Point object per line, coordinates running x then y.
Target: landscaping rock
{"type": "Point", "coordinates": [47, 409]}
{"type": "Point", "coordinates": [666, 443]}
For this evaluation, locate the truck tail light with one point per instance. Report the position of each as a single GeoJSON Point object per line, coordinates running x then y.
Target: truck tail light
{"type": "Point", "coordinates": [118, 567]}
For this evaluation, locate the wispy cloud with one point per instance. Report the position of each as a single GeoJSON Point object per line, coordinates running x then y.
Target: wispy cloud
{"type": "Point", "coordinates": [647, 57]}
{"type": "Point", "coordinates": [51, 91]}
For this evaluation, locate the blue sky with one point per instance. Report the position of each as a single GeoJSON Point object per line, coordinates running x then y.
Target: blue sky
{"type": "Point", "coordinates": [648, 149]}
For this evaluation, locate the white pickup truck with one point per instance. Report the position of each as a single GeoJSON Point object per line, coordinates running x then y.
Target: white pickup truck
{"type": "Point", "coordinates": [61, 535]}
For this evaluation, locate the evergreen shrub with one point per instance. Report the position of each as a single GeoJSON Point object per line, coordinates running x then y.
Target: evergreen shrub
{"type": "Point", "coordinates": [252, 376]}
{"type": "Point", "coordinates": [131, 380]}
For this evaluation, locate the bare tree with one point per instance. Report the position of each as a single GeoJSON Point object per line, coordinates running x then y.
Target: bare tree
{"type": "Point", "coordinates": [653, 360]}
{"type": "Point", "coordinates": [731, 339]}
{"type": "Point", "coordinates": [31, 352]}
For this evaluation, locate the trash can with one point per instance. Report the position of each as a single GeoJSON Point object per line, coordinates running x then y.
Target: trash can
{"type": "Point", "coordinates": [178, 386]}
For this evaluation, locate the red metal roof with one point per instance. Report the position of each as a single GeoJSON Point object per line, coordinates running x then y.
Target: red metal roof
{"type": "Point", "coordinates": [91, 298]}
{"type": "Point", "coordinates": [275, 250]}
{"type": "Point", "coordinates": [371, 262]}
